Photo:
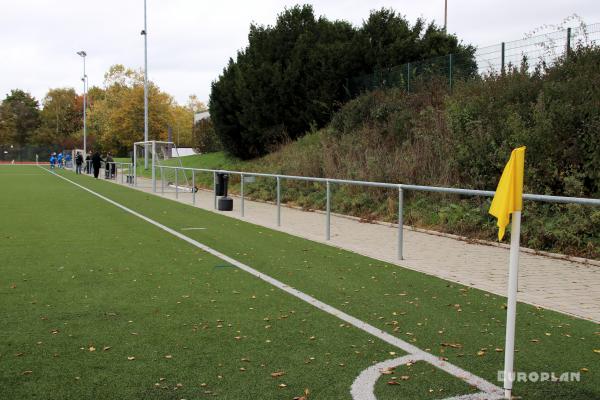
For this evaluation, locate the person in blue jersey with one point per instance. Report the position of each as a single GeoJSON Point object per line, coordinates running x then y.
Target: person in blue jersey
{"type": "Point", "coordinates": [59, 160]}
{"type": "Point", "coordinates": [52, 161]}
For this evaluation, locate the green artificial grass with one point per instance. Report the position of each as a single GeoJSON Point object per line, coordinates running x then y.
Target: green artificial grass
{"type": "Point", "coordinates": [65, 244]}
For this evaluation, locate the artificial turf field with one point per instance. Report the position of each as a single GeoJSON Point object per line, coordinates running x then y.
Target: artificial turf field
{"type": "Point", "coordinates": [97, 303]}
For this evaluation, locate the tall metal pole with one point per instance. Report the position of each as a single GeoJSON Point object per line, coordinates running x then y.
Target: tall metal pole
{"type": "Point", "coordinates": [145, 33]}
{"type": "Point", "coordinates": [445, 15]}
{"type": "Point", "coordinates": [83, 54]}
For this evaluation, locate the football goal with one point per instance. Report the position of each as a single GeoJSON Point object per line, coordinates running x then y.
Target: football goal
{"type": "Point", "coordinates": [154, 166]}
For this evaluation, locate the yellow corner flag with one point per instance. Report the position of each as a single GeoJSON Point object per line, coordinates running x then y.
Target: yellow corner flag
{"type": "Point", "coordinates": [509, 194]}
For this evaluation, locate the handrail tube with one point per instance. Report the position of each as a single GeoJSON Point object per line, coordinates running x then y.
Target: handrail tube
{"type": "Point", "coordinates": [436, 189]}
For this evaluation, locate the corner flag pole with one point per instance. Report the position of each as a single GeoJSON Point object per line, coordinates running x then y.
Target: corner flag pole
{"type": "Point", "coordinates": [511, 312]}
{"type": "Point", "coordinates": [508, 200]}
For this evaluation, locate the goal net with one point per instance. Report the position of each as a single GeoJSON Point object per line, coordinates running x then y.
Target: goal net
{"type": "Point", "coordinates": [158, 166]}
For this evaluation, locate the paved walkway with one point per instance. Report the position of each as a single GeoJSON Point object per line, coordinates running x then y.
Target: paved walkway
{"type": "Point", "coordinates": [561, 285]}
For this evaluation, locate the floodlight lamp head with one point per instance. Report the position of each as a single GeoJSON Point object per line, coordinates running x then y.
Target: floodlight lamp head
{"type": "Point", "coordinates": [143, 32]}
{"type": "Point", "coordinates": [82, 53]}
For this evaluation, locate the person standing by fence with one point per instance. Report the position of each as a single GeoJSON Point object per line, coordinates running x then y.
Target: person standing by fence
{"type": "Point", "coordinates": [96, 163]}
{"type": "Point", "coordinates": [78, 163]}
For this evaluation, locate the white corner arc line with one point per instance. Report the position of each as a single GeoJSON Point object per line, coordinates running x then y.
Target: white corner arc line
{"type": "Point", "coordinates": [412, 350]}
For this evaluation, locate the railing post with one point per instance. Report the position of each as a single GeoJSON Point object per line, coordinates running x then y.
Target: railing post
{"type": "Point", "coordinates": [215, 188]}
{"type": "Point", "coordinates": [502, 59]}
{"type": "Point", "coordinates": [242, 194]}
{"type": "Point", "coordinates": [176, 183]}
{"type": "Point", "coordinates": [400, 223]}
{"type": "Point", "coordinates": [153, 167]}
{"type": "Point", "coordinates": [328, 213]}
{"type": "Point", "coordinates": [162, 180]}
{"type": "Point", "coordinates": [194, 187]}
{"type": "Point", "coordinates": [278, 201]}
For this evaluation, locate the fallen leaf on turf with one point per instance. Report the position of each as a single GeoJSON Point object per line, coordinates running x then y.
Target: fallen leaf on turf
{"type": "Point", "coordinates": [387, 370]}
{"type": "Point", "coordinates": [92, 348]}
{"type": "Point", "coordinates": [131, 358]}
{"type": "Point", "coordinates": [597, 351]}
{"type": "Point", "coordinates": [13, 286]}
{"type": "Point", "coordinates": [499, 350]}
{"type": "Point", "coordinates": [106, 348]}
{"type": "Point", "coordinates": [584, 370]}
{"type": "Point", "coordinates": [404, 377]}
{"type": "Point", "coordinates": [27, 372]}
{"type": "Point", "coordinates": [169, 356]}
{"type": "Point", "coordinates": [453, 345]}
{"type": "Point", "coordinates": [19, 354]}
{"type": "Point", "coordinates": [534, 340]}
{"type": "Point", "coordinates": [481, 353]}
{"type": "Point", "coordinates": [277, 374]}
{"type": "Point", "coordinates": [393, 383]}
{"type": "Point", "coordinates": [282, 385]}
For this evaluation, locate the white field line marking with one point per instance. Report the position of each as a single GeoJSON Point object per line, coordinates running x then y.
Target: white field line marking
{"type": "Point", "coordinates": [458, 372]}
{"type": "Point", "coordinates": [363, 387]}
{"type": "Point", "coordinates": [192, 229]}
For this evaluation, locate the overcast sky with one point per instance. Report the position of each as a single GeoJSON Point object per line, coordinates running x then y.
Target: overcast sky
{"type": "Point", "coordinates": [190, 41]}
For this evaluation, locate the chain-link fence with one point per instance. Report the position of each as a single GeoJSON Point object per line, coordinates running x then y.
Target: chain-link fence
{"type": "Point", "coordinates": [26, 153]}
{"type": "Point", "coordinates": [533, 50]}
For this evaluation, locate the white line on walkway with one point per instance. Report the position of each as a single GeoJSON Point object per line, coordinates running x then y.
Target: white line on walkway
{"type": "Point", "coordinates": [458, 372]}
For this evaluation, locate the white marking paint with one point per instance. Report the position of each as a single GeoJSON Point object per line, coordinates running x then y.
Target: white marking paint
{"type": "Point", "coordinates": [491, 391]}
{"type": "Point", "coordinates": [192, 229]}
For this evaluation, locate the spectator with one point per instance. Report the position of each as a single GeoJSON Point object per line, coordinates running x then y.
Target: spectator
{"type": "Point", "coordinates": [96, 163]}
{"type": "Point", "coordinates": [78, 162]}
{"type": "Point", "coordinates": [110, 163]}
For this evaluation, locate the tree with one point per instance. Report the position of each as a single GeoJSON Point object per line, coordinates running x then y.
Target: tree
{"type": "Point", "coordinates": [205, 138]}
{"type": "Point", "coordinates": [182, 123]}
{"type": "Point", "coordinates": [117, 117]}
{"type": "Point", "coordinates": [61, 116]}
{"type": "Point", "coordinates": [293, 76]}
{"type": "Point", "coordinates": [20, 117]}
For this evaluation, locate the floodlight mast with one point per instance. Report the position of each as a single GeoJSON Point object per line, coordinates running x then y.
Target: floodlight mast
{"type": "Point", "coordinates": [83, 54]}
{"type": "Point", "coordinates": [145, 34]}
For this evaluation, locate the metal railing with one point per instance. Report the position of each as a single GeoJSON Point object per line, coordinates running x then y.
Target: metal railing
{"type": "Point", "coordinates": [400, 187]}
{"type": "Point", "coordinates": [117, 170]}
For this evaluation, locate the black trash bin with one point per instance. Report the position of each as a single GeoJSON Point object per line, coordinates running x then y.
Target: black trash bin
{"type": "Point", "coordinates": [224, 203]}
{"type": "Point", "coordinates": [222, 184]}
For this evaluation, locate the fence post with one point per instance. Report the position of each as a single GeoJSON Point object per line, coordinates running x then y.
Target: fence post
{"type": "Point", "coordinates": [400, 223]}
{"type": "Point", "coordinates": [242, 194]}
{"type": "Point", "coordinates": [568, 41]}
{"type": "Point", "coordinates": [408, 77]}
{"type": "Point", "coordinates": [328, 215]}
{"type": "Point", "coordinates": [215, 188]}
{"type": "Point", "coordinates": [278, 201]}
{"type": "Point", "coordinates": [194, 187]}
{"type": "Point", "coordinates": [450, 70]}
{"type": "Point", "coordinates": [153, 167]}
{"type": "Point", "coordinates": [162, 180]}
{"type": "Point", "coordinates": [502, 59]}
{"type": "Point", "coordinates": [176, 183]}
